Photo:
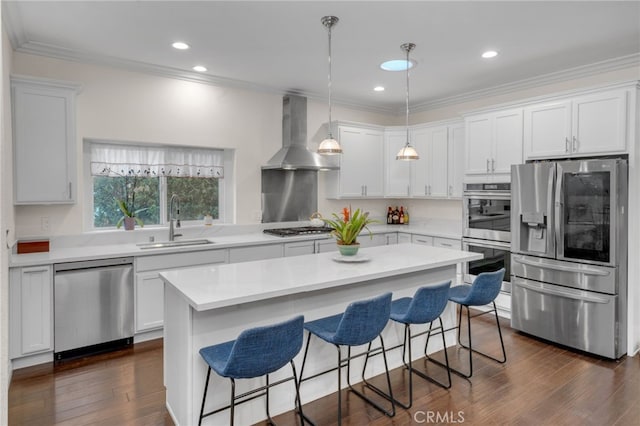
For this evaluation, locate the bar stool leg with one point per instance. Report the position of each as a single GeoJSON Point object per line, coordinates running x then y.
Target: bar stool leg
{"type": "Point", "coordinates": [204, 395]}
{"type": "Point", "coordinates": [232, 407]}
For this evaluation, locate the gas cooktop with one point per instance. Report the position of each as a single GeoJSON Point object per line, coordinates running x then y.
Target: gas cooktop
{"type": "Point", "coordinates": [301, 230]}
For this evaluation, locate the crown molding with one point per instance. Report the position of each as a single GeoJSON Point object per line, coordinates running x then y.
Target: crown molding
{"type": "Point", "coordinates": [20, 44]}
{"type": "Point", "coordinates": [541, 80]}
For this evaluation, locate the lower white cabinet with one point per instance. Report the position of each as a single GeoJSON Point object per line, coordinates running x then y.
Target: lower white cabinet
{"type": "Point", "coordinates": [403, 238]}
{"type": "Point", "coordinates": [30, 310]}
{"type": "Point", "coordinates": [299, 248]}
{"type": "Point", "coordinates": [247, 254]}
{"type": "Point", "coordinates": [449, 243]}
{"type": "Point", "coordinates": [324, 246]}
{"type": "Point", "coordinates": [149, 287]}
{"type": "Point", "coordinates": [422, 239]}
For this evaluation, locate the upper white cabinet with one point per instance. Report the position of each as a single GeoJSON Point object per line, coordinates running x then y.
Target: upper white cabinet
{"type": "Point", "coordinates": [438, 173]}
{"type": "Point", "coordinates": [584, 125]}
{"type": "Point", "coordinates": [361, 163]}
{"type": "Point", "coordinates": [493, 144]}
{"type": "Point", "coordinates": [44, 141]}
{"type": "Point", "coordinates": [397, 173]}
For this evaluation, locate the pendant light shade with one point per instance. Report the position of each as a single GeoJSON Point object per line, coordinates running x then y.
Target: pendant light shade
{"type": "Point", "coordinates": [329, 146]}
{"type": "Point", "coordinates": [407, 152]}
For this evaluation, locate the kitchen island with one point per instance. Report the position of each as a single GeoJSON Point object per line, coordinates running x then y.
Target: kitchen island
{"type": "Point", "coordinates": [213, 304]}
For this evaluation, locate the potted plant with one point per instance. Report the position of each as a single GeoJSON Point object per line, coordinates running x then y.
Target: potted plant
{"type": "Point", "coordinates": [347, 228]}
{"type": "Point", "coordinates": [127, 203]}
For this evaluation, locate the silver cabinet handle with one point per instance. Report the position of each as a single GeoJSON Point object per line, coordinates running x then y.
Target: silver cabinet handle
{"type": "Point", "coordinates": [487, 165]}
{"type": "Point", "coordinates": [408, 190]}
{"type": "Point", "coordinates": [362, 190]}
{"type": "Point", "coordinates": [450, 190]}
{"type": "Point", "coordinates": [70, 193]}
{"type": "Point", "coordinates": [575, 144]}
{"type": "Point", "coordinates": [493, 164]}
{"type": "Point", "coordinates": [426, 192]}
{"type": "Point", "coordinates": [566, 144]}
{"type": "Point", "coordinates": [560, 293]}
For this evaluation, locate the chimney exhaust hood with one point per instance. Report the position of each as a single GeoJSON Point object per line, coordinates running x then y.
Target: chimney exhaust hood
{"type": "Point", "coordinates": [294, 153]}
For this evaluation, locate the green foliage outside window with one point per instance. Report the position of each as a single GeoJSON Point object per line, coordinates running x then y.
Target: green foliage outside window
{"type": "Point", "coordinates": [198, 197]}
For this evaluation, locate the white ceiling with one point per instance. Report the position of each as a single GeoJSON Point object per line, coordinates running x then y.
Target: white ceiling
{"type": "Point", "coordinates": [282, 46]}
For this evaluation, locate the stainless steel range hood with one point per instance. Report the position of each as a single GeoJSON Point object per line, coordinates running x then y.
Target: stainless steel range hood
{"type": "Point", "coordinates": [294, 153]}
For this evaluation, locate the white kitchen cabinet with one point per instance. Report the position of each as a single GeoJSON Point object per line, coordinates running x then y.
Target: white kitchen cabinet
{"type": "Point", "coordinates": [44, 145]}
{"type": "Point", "coordinates": [247, 254]}
{"type": "Point", "coordinates": [493, 142]}
{"type": "Point", "coordinates": [361, 164]}
{"type": "Point", "coordinates": [592, 124]}
{"type": "Point", "coordinates": [30, 310]}
{"type": "Point", "coordinates": [149, 287]}
{"type": "Point", "coordinates": [403, 238]}
{"type": "Point", "coordinates": [324, 246]}
{"type": "Point", "coordinates": [422, 239]}
{"type": "Point", "coordinates": [438, 173]}
{"type": "Point", "coordinates": [299, 248]}
{"type": "Point", "coordinates": [448, 243]}
{"type": "Point", "coordinates": [392, 238]}
{"type": "Point", "coordinates": [397, 173]}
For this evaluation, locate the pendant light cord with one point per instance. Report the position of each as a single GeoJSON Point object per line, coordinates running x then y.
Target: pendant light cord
{"type": "Point", "coordinates": [408, 47]}
{"type": "Point", "coordinates": [329, 27]}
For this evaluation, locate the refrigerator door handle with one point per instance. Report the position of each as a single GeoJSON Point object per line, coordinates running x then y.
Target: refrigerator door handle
{"type": "Point", "coordinates": [559, 211]}
{"type": "Point", "coordinates": [562, 268]}
{"type": "Point", "coordinates": [565, 294]}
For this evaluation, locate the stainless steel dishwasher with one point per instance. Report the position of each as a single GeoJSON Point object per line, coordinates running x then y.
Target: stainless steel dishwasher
{"type": "Point", "coordinates": [93, 309]}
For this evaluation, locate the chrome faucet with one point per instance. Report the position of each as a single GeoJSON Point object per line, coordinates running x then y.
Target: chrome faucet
{"type": "Point", "coordinates": [172, 234]}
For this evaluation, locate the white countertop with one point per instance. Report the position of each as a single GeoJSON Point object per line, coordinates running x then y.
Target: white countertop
{"type": "Point", "coordinates": [216, 286]}
{"type": "Point", "coordinates": [445, 229]}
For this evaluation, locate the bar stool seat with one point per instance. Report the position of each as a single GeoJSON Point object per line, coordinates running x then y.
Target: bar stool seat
{"type": "Point", "coordinates": [256, 352]}
{"type": "Point", "coordinates": [360, 324]}
{"type": "Point", "coordinates": [483, 291]}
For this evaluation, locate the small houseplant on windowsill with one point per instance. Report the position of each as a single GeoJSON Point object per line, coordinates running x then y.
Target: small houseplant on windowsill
{"type": "Point", "coordinates": [127, 204]}
{"type": "Point", "coordinates": [347, 228]}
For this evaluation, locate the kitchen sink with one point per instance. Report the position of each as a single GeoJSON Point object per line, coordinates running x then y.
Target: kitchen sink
{"type": "Point", "coordinates": [178, 243]}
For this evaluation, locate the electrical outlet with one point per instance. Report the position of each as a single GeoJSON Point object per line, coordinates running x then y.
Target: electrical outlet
{"type": "Point", "coordinates": [44, 223]}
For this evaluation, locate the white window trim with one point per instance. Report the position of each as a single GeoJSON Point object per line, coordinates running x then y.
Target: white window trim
{"type": "Point", "coordinates": [225, 186]}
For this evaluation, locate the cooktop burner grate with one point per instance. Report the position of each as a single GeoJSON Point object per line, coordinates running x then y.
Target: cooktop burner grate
{"type": "Point", "coordinates": [301, 230]}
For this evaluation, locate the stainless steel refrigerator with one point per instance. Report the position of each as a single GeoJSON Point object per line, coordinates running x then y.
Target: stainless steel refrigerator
{"type": "Point", "coordinates": [569, 253]}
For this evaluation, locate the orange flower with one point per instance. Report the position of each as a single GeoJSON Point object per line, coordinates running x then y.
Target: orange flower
{"type": "Point", "coordinates": [345, 214]}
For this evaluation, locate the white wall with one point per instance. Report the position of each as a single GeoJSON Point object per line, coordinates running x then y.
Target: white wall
{"type": "Point", "coordinates": [129, 106]}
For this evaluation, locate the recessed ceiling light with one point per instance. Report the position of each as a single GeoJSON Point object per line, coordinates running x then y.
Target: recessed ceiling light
{"type": "Point", "coordinates": [397, 65]}
{"type": "Point", "coordinates": [180, 45]}
{"type": "Point", "coordinates": [378, 89]}
{"type": "Point", "coordinates": [490, 54]}
{"type": "Point", "coordinates": [199, 68]}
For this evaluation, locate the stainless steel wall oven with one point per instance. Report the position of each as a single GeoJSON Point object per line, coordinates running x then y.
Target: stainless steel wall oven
{"type": "Point", "coordinates": [487, 229]}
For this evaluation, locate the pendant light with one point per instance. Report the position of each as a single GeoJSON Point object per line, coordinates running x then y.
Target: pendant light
{"type": "Point", "coordinates": [329, 146]}
{"type": "Point", "coordinates": [407, 152]}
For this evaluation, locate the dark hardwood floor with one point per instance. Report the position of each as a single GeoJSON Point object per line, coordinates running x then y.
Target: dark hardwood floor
{"type": "Point", "coordinates": [540, 384]}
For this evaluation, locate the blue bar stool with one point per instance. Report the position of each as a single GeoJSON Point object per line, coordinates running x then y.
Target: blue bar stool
{"type": "Point", "coordinates": [256, 352]}
{"type": "Point", "coordinates": [484, 290]}
{"type": "Point", "coordinates": [360, 324]}
{"type": "Point", "coordinates": [424, 307]}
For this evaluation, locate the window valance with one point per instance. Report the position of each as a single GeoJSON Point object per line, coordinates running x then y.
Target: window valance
{"type": "Point", "coordinates": [114, 160]}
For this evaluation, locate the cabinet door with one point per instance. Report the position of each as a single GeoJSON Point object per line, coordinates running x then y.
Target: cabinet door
{"type": "Point", "coordinates": [397, 173]}
{"type": "Point", "coordinates": [478, 145]}
{"type": "Point", "coordinates": [438, 158]}
{"type": "Point", "coordinates": [361, 163]}
{"type": "Point", "coordinates": [373, 241]}
{"type": "Point", "coordinates": [420, 168]}
{"type": "Point", "coordinates": [149, 299]}
{"type": "Point", "coordinates": [404, 238]}
{"type": "Point", "coordinates": [507, 142]}
{"type": "Point", "coordinates": [392, 238]}
{"type": "Point", "coordinates": [324, 246]}
{"type": "Point", "coordinates": [44, 143]}
{"type": "Point", "coordinates": [599, 123]}
{"type": "Point", "coordinates": [455, 161]}
{"type": "Point", "coordinates": [31, 311]}
{"type": "Point", "coordinates": [547, 130]}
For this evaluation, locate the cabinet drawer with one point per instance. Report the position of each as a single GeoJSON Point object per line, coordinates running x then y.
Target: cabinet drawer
{"type": "Point", "coordinates": [422, 239]}
{"type": "Point", "coordinates": [299, 248]}
{"type": "Point", "coordinates": [449, 243]}
{"type": "Point", "coordinates": [177, 260]}
{"type": "Point", "coordinates": [247, 254]}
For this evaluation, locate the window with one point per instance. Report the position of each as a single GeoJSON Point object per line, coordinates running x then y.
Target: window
{"type": "Point", "coordinates": [143, 179]}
